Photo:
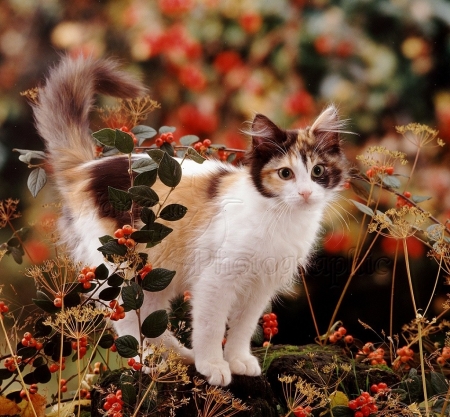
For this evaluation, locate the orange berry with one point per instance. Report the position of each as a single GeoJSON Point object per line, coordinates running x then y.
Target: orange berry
{"type": "Point", "coordinates": [130, 243]}
{"type": "Point", "coordinates": [127, 229]}
{"type": "Point", "coordinates": [57, 302]}
{"type": "Point", "coordinates": [369, 173]}
{"type": "Point", "coordinates": [118, 233]}
{"type": "Point", "coordinates": [389, 170]}
{"type": "Point", "coordinates": [348, 339]}
{"type": "Point", "coordinates": [342, 331]}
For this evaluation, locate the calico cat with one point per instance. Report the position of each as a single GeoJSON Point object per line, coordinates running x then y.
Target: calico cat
{"type": "Point", "coordinates": [247, 228]}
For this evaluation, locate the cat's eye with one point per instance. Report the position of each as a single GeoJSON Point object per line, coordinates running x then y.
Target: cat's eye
{"type": "Point", "coordinates": [317, 171]}
{"type": "Point", "coordinates": [285, 173]}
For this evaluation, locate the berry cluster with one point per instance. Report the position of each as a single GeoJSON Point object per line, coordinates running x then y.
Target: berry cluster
{"type": "Point", "coordinates": [202, 147]}
{"type": "Point", "coordinates": [137, 366]}
{"type": "Point", "coordinates": [118, 312]}
{"type": "Point", "coordinates": [340, 333]}
{"type": "Point", "coordinates": [270, 325]}
{"type": "Point", "coordinates": [32, 390]}
{"type": "Point", "coordinates": [381, 389]}
{"type": "Point", "coordinates": [371, 172]}
{"type": "Point", "coordinates": [123, 236]}
{"type": "Point", "coordinates": [363, 406]}
{"type": "Point", "coordinates": [302, 411]}
{"type": "Point", "coordinates": [29, 341]}
{"type": "Point", "coordinates": [405, 354]}
{"type": "Point", "coordinates": [81, 346]}
{"type": "Point", "coordinates": [3, 308]}
{"type": "Point", "coordinates": [113, 404]}
{"type": "Point", "coordinates": [86, 275]}
{"type": "Point", "coordinates": [62, 385]}
{"type": "Point", "coordinates": [54, 367]}
{"type": "Point", "coordinates": [164, 138]}
{"type": "Point", "coordinates": [10, 365]}
{"type": "Point", "coordinates": [375, 356]}
{"type": "Point", "coordinates": [444, 356]}
{"type": "Point", "coordinates": [126, 130]}
{"type": "Point", "coordinates": [401, 202]}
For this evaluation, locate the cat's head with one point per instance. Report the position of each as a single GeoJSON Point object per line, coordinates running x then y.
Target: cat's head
{"type": "Point", "coordinates": [301, 166]}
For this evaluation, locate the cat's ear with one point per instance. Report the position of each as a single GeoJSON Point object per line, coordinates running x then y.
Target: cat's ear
{"type": "Point", "coordinates": [266, 135]}
{"type": "Point", "coordinates": [328, 125]}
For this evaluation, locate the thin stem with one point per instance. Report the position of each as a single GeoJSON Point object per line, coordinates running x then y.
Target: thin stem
{"type": "Point", "coordinates": [412, 169]}
{"type": "Point", "coordinates": [391, 313]}
{"type": "Point", "coordinates": [311, 309]}
{"type": "Point", "coordinates": [20, 241]}
{"type": "Point", "coordinates": [17, 366]}
{"type": "Point", "coordinates": [408, 273]}
{"type": "Point", "coordinates": [435, 285]}
{"type": "Point", "coordinates": [143, 399]}
{"type": "Point", "coordinates": [422, 367]}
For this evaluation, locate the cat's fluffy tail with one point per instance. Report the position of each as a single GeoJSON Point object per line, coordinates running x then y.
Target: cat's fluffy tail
{"type": "Point", "coordinates": [62, 109]}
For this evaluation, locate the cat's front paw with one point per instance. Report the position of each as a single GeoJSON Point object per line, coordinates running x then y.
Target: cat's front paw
{"type": "Point", "coordinates": [245, 365]}
{"type": "Point", "coordinates": [216, 371]}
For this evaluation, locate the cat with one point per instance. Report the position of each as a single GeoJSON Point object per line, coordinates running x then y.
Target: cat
{"type": "Point", "coordinates": [247, 229]}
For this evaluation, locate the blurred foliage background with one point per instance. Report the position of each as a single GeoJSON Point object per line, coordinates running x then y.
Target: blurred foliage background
{"type": "Point", "coordinates": [212, 64]}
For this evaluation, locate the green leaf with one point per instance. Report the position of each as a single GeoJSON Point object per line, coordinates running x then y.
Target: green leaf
{"type": "Point", "coordinates": [124, 142]}
{"type": "Point", "coordinates": [168, 148]}
{"type": "Point", "coordinates": [342, 411]}
{"type": "Point", "coordinates": [143, 164]}
{"type": "Point", "coordinates": [143, 132]}
{"type": "Point", "coordinates": [115, 280]}
{"type": "Point", "coordinates": [419, 198]}
{"type": "Point", "coordinates": [151, 233]}
{"type": "Point", "coordinates": [157, 280]}
{"type": "Point", "coordinates": [156, 155]}
{"type": "Point", "coordinates": [127, 346]}
{"type": "Point", "coordinates": [147, 178]}
{"type": "Point", "coordinates": [28, 156]}
{"type": "Point", "coordinates": [106, 137]}
{"type": "Point", "coordinates": [105, 239]}
{"type": "Point", "coordinates": [143, 195]}
{"type": "Point", "coordinates": [36, 180]}
{"type": "Point", "coordinates": [5, 374]}
{"type": "Point", "coordinates": [132, 297]}
{"type": "Point", "coordinates": [173, 212]}
{"type": "Point", "coordinates": [155, 324]}
{"type": "Point", "coordinates": [195, 156]}
{"type": "Point", "coordinates": [188, 140]}
{"type": "Point", "coordinates": [113, 248]}
{"type": "Point", "coordinates": [106, 341]}
{"type": "Point", "coordinates": [46, 305]}
{"type": "Point", "coordinates": [231, 157]}
{"type": "Point", "coordinates": [119, 199]}
{"type": "Point", "coordinates": [101, 272]}
{"type": "Point", "coordinates": [391, 181]}
{"type": "Point", "coordinates": [41, 329]}
{"type": "Point", "coordinates": [42, 374]}
{"type": "Point", "coordinates": [169, 171]}
{"type": "Point", "coordinates": [147, 215]}
{"type": "Point", "coordinates": [167, 129]}
{"type": "Point", "coordinates": [128, 393]}
{"type": "Point", "coordinates": [361, 188]}
{"type": "Point", "coordinates": [361, 207]}
{"type": "Point", "coordinates": [439, 383]}
{"type": "Point", "coordinates": [110, 293]}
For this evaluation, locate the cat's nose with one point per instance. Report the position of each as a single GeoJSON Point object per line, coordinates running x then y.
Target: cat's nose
{"type": "Point", "coordinates": [305, 194]}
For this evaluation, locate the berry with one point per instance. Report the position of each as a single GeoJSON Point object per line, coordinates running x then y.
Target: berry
{"type": "Point", "coordinates": [53, 368]}
{"type": "Point", "coordinates": [207, 143]}
{"type": "Point", "coordinates": [121, 241]}
{"type": "Point", "coordinates": [27, 335]}
{"type": "Point", "coordinates": [130, 243]}
{"type": "Point", "coordinates": [159, 142]}
{"type": "Point", "coordinates": [57, 302]}
{"type": "Point", "coordinates": [63, 388]}
{"type": "Point", "coordinates": [131, 361]}
{"type": "Point", "coordinates": [342, 331]}
{"type": "Point", "coordinates": [137, 366]}
{"type": "Point", "coordinates": [127, 229]}
{"type": "Point", "coordinates": [389, 170]}
{"type": "Point", "coordinates": [348, 339]}
{"type": "Point", "coordinates": [118, 233]}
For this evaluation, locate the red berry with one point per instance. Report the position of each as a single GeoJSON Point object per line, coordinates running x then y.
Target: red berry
{"type": "Point", "coordinates": [87, 285]}
{"type": "Point", "coordinates": [369, 173]}
{"type": "Point", "coordinates": [63, 388]}
{"type": "Point", "coordinates": [27, 335]}
{"type": "Point", "coordinates": [130, 243]}
{"type": "Point", "coordinates": [389, 170]}
{"type": "Point", "coordinates": [53, 367]}
{"type": "Point", "coordinates": [137, 366]}
{"type": "Point", "coordinates": [118, 233]}
{"type": "Point", "coordinates": [131, 361]}
{"type": "Point", "coordinates": [374, 388]}
{"type": "Point", "coordinates": [348, 339]}
{"type": "Point", "coordinates": [352, 404]}
{"type": "Point", "coordinates": [111, 398]}
{"type": "Point", "coordinates": [382, 385]}
{"type": "Point", "coordinates": [342, 331]}
{"type": "Point", "coordinates": [266, 317]}
{"type": "Point", "coordinates": [207, 143]}
{"type": "Point", "coordinates": [407, 194]}
{"type": "Point", "coordinates": [127, 229]}
{"type": "Point", "coordinates": [121, 241]}
{"type": "Point", "coordinates": [23, 394]}
{"type": "Point", "coordinates": [57, 302]}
